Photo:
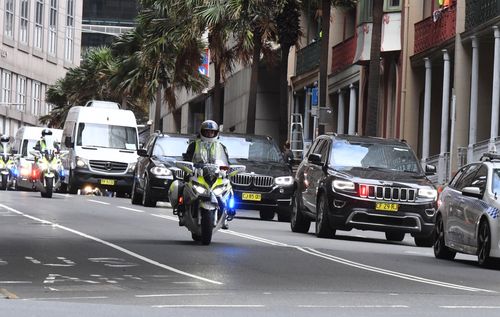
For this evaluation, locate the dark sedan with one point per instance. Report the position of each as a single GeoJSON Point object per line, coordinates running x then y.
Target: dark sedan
{"type": "Point", "coordinates": [267, 184]}
{"type": "Point", "coordinates": [155, 168]}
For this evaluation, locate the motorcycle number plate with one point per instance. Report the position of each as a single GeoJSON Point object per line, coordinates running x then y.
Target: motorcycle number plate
{"type": "Point", "coordinates": [108, 182]}
{"type": "Point", "coordinates": [251, 196]}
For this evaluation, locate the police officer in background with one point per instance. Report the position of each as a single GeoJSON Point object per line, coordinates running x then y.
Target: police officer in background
{"type": "Point", "coordinates": [41, 145]}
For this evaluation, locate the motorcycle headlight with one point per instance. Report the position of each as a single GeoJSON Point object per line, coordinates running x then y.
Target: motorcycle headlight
{"type": "Point", "coordinates": [339, 184]}
{"type": "Point", "coordinates": [199, 189]}
{"type": "Point", "coordinates": [219, 190]}
{"type": "Point", "coordinates": [427, 193]}
{"type": "Point", "coordinates": [81, 162]}
{"type": "Point", "coordinates": [43, 165]}
{"type": "Point", "coordinates": [54, 165]}
{"type": "Point", "coordinates": [283, 181]}
{"type": "Point", "coordinates": [161, 171]}
{"type": "Point", "coordinates": [131, 167]}
{"type": "Point", "coordinates": [2, 165]}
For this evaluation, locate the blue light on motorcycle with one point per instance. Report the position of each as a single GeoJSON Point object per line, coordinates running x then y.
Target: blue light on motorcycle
{"type": "Point", "coordinates": [15, 172]}
{"type": "Point", "coordinates": [231, 203]}
{"type": "Point", "coordinates": [61, 173]}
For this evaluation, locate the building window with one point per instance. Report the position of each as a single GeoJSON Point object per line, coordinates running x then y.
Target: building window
{"type": "Point", "coordinates": [365, 8]}
{"type": "Point", "coordinates": [392, 5]}
{"type": "Point", "coordinates": [23, 22]}
{"type": "Point", "coordinates": [38, 34]}
{"type": "Point", "coordinates": [9, 18]}
{"type": "Point", "coordinates": [36, 98]}
{"type": "Point", "coordinates": [52, 28]}
{"type": "Point", "coordinates": [21, 93]}
{"type": "Point", "coordinates": [70, 30]}
{"type": "Point", "coordinates": [6, 88]}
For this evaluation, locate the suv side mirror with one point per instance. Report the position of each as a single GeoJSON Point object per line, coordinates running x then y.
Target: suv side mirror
{"type": "Point", "coordinates": [472, 192]}
{"type": "Point", "coordinates": [67, 142]}
{"type": "Point", "coordinates": [142, 152]}
{"type": "Point", "coordinates": [430, 169]}
{"type": "Point", "coordinates": [314, 158]}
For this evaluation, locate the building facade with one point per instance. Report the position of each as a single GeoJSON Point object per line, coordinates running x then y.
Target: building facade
{"type": "Point", "coordinates": [39, 41]}
{"type": "Point", "coordinates": [103, 20]}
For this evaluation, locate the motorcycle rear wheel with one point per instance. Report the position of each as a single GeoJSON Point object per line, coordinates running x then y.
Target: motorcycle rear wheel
{"type": "Point", "coordinates": [207, 226]}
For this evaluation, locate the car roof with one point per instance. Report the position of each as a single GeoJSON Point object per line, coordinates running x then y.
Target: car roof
{"type": "Point", "coordinates": [366, 139]}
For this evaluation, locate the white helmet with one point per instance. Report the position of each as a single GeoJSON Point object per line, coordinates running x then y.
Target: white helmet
{"type": "Point", "coordinates": [209, 131]}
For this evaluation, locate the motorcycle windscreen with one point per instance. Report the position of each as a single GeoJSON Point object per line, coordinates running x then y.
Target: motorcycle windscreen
{"type": "Point", "coordinates": [211, 153]}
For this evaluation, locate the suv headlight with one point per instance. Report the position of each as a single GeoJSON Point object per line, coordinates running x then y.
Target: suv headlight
{"type": "Point", "coordinates": [81, 162]}
{"type": "Point", "coordinates": [283, 180]}
{"type": "Point", "coordinates": [161, 171]}
{"type": "Point", "coordinates": [219, 190]}
{"type": "Point", "coordinates": [427, 193]}
{"type": "Point", "coordinates": [339, 184]}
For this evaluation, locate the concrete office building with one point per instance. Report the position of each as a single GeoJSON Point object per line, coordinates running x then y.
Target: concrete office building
{"type": "Point", "coordinates": [39, 42]}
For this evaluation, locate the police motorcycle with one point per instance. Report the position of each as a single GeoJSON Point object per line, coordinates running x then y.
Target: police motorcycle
{"type": "Point", "coordinates": [48, 171]}
{"type": "Point", "coordinates": [8, 166]}
{"type": "Point", "coordinates": [206, 199]}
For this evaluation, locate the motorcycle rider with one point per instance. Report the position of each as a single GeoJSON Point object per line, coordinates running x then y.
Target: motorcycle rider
{"type": "Point", "coordinates": [4, 143]}
{"type": "Point", "coordinates": [201, 151]}
{"type": "Point", "coordinates": [41, 145]}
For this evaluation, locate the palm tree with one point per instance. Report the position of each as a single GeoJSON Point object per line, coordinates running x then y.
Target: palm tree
{"type": "Point", "coordinates": [289, 32]}
{"type": "Point", "coordinates": [374, 71]}
{"type": "Point", "coordinates": [214, 18]}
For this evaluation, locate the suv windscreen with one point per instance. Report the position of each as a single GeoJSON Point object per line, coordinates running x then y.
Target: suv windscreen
{"type": "Point", "coordinates": [170, 147]}
{"type": "Point", "coordinates": [241, 150]}
{"type": "Point", "coordinates": [106, 136]}
{"type": "Point", "coordinates": [345, 156]}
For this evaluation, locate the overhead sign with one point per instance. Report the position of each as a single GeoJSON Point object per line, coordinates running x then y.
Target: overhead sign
{"type": "Point", "coordinates": [205, 63]}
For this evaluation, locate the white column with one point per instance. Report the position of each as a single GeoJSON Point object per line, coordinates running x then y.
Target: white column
{"type": "Point", "coordinates": [340, 114]}
{"type": "Point", "coordinates": [445, 117]}
{"type": "Point", "coordinates": [307, 113]}
{"type": "Point", "coordinates": [427, 109]}
{"type": "Point", "coordinates": [496, 89]}
{"type": "Point", "coordinates": [474, 97]}
{"type": "Point", "coordinates": [352, 110]}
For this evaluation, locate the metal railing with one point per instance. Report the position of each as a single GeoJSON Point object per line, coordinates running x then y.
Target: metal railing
{"type": "Point", "coordinates": [436, 29]}
{"type": "Point", "coordinates": [308, 58]}
{"type": "Point", "coordinates": [478, 12]}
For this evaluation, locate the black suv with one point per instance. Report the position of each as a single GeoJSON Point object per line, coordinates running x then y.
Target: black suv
{"type": "Point", "coordinates": [267, 184]}
{"type": "Point", "coordinates": [365, 183]}
{"type": "Point", "coordinates": [155, 168]}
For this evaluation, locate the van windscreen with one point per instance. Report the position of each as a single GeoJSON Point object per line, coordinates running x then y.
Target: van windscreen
{"type": "Point", "coordinates": [106, 136]}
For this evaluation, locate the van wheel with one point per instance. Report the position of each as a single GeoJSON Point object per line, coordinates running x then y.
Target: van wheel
{"type": "Point", "coordinates": [72, 188]}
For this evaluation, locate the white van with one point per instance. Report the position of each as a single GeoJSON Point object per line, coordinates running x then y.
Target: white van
{"type": "Point", "coordinates": [102, 144]}
{"type": "Point", "coordinates": [23, 142]}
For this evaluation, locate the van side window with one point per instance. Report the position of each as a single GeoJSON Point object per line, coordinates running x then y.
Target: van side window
{"type": "Point", "coordinates": [24, 151]}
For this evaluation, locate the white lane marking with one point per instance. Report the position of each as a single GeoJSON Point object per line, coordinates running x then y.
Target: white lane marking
{"type": "Point", "coordinates": [63, 195]}
{"type": "Point", "coordinates": [166, 217]}
{"type": "Point", "coordinates": [208, 306]}
{"type": "Point", "coordinates": [391, 273]}
{"type": "Point", "coordinates": [131, 209]}
{"type": "Point", "coordinates": [15, 282]}
{"type": "Point", "coordinates": [114, 246]}
{"type": "Point", "coordinates": [175, 295]}
{"type": "Point", "coordinates": [470, 307]}
{"type": "Point", "coordinates": [329, 257]}
{"type": "Point", "coordinates": [353, 306]}
{"type": "Point", "coordinates": [64, 298]}
{"type": "Point", "coordinates": [98, 202]}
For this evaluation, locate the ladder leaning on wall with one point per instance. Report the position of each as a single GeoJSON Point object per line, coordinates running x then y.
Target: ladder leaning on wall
{"type": "Point", "coordinates": [296, 136]}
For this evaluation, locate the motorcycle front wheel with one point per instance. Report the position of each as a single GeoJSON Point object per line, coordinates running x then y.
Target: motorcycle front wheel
{"type": "Point", "coordinates": [207, 226]}
{"type": "Point", "coordinates": [49, 188]}
{"type": "Point", "coordinates": [3, 185]}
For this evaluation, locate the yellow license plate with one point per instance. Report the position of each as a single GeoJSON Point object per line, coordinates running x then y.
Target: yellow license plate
{"type": "Point", "coordinates": [386, 207]}
{"type": "Point", "coordinates": [251, 196]}
{"type": "Point", "coordinates": [108, 182]}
